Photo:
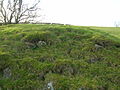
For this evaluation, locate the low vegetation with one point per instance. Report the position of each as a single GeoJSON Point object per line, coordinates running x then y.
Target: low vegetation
{"type": "Point", "coordinates": [68, 57]}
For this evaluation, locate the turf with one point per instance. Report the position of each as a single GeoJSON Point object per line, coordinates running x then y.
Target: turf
{"type": "Point", "coordinates": [70, 57]}
{"type": "Point", "coordinates": [114, 31]}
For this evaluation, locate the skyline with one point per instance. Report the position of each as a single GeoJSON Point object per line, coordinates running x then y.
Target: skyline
{"type": "Point", "coordinates": [81, 12]}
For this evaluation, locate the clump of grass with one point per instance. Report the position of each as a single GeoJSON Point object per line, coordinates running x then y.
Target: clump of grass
{"type": "Point", "coordinates": [4, 58]}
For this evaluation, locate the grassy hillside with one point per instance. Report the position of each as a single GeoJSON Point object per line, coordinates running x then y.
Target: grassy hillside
{"type": "Point", "coordinates": [69, 57]}
{"type": "Point", "coordinates": [114, 31]}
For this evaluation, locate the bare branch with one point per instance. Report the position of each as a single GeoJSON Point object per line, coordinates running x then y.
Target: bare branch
{"type": "Point", "coordinates": [16, 10]}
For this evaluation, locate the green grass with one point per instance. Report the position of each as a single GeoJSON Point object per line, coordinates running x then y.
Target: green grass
{"type": "Point", "coordinates": [114, 31]}
{"type": "Point", "coordinates": [71, 57]}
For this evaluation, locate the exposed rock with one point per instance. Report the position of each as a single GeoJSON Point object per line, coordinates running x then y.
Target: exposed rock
{"type": "Point", "coordinates": [41, 43]}
{"type": "Point", "coordinates": [34, 45]}
{"type": "Point", "coordinates": [81, 88]}
{"type": "Point", "coordinates": [93, 60]}
{"type": "Point", "coordinates": [97, 46]}
{"type": "Point", "coordinates": [104, 43]}
{"type": "Point", "coordinates": [50, 86]}
{"type": "Point", "coordinates": [7, 73]}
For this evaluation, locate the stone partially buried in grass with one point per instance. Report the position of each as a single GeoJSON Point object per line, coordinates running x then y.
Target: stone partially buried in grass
{"type": "Point", "coordinates": [102, 41]}
{"type": "Point", "coordinates": [39, 39]}
{"type": "Point", "coordinates": [7, 72]}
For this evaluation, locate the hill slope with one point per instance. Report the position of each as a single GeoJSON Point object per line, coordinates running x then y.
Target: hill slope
{"type": "Point", "coordinates": [114, 31]}
{"type": "Point", "coordinates": [69, 57]}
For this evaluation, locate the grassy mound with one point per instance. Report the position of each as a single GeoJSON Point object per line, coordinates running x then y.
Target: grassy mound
{"type": "Point", "coordinates": [66, 57]}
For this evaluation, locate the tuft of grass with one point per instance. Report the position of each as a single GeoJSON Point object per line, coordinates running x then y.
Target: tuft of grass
{"type": "Point", "coordinates": [4, 60]}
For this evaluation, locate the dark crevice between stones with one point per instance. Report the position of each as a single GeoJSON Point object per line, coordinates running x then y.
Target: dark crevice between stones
{"type": "Point", "coordinates": [41, 76]}
{"type": "Point", "coordinates": [117, 45]}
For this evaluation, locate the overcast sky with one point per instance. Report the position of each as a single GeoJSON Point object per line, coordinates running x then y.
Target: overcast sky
{"type": "Point", "coordinates": [81, 12]}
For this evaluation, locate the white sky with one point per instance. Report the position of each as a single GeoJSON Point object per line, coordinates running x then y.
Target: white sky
{"type": "Point", "coordinates": [81, 12]}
